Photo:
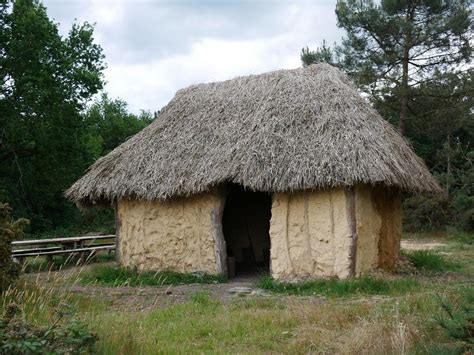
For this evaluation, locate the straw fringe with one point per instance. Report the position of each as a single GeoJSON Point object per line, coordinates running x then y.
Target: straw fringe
{"type": "Point", "coordinates": [286, 130]}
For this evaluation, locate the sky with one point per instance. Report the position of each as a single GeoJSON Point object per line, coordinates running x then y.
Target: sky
{"type": "Point", "coordinates": [154, 48]}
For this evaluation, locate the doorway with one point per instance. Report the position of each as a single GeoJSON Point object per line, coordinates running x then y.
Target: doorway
{"type": "Point", "coordinates": [246, 227]}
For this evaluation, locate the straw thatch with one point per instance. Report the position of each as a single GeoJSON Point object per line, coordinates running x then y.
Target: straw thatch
{"type": "Point", "coordinates": [286, 130]}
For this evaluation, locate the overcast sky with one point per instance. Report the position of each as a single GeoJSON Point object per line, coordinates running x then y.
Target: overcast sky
{"type": "Point", "coordinates": [153, 47]}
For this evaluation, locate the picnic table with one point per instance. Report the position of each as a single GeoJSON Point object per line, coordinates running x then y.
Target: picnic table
{"type": "Point", "coordinates": [85, 246]}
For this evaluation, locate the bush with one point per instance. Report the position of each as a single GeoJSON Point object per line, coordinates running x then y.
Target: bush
{"type": "Point", "coordinates": [9, 231]}
{"type": "Point", "coordinates": [19, 337]}
{"type": "Point", "coordinates": [430, 261]}
{"type": "Point", "coordinates": [423, 213]}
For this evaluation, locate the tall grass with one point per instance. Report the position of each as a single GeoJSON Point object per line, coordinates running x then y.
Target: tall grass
{"type": "Point", "coordinates": [41, 299]}
{"type": "Point", "coordinates": [341, 288]}
{"type": "Point", "coordinates": [59, 262]}
{"type": "Point", "coordinates": [109, 275]}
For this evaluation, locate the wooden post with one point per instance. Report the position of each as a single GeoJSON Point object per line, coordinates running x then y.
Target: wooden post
{"type": "Point", "coordinates": [117, 233]}
{"type": "Point", "coordinates": [351, 221]}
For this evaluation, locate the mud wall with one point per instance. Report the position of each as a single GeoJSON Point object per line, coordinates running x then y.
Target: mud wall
{"type": "Point", "coordinates": [309, 232]}
{"type": "Point", "coordinates": [309, 235]}
{"type": "Point", "coordinates": [368, 222]}
{"type": "Point", "coordinates": [183, 234]}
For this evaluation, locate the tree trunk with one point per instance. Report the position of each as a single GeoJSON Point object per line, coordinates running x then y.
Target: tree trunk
{"type": "Point", "coordinates": [404, 94]}
{"type": "Point", "coordinates": [406, 57]}
{"type": "Point", "coordinates": [448, 166]}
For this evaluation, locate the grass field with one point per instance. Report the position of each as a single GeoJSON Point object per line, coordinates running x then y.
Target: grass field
{"type": "Point", "coordinates": [392, 314]}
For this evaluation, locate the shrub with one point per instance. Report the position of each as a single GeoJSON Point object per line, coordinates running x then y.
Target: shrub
{"type": "Point", "coordinates": [19, 337]}
{"type": "Point", "coordinates": [430, 261]}
{"type": "Point", "coordinates": [458, 320]}
{"type": "Point", "coordinates": [423, 213]}
{"type": "Point", "coordinates": [9, 231]}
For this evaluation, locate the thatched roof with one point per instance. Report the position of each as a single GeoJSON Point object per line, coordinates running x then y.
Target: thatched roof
{"type": "Point", "coordinates": [286, 130]}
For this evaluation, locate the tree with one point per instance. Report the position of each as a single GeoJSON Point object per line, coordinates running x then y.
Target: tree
{"type": "Point", "coordinates": [109, 124]}
{"type": "Point", "coordinates": [392, 47]}
{"type": "Point", "coordinates": [46, 82]}
{"type": "Point", "coordinates": [442, 133]}
{"type": "Point", "coordinates": [410, 58]}
{"type": "Point", "coordinates": [321, 54]}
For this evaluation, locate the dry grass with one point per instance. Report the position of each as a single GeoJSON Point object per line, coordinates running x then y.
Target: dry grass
{"type": "Point", "coordinates": [371, 325]}
{"type": "Point", "coordinates": [256, 326]}
{"type": "Point", "coordinates": [400, 324]}
{"type": "Point", "coordinates": [287, 130]}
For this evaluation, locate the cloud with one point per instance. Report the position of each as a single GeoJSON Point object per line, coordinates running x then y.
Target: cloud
{"type": "Point", "coordinates": [154, 48]}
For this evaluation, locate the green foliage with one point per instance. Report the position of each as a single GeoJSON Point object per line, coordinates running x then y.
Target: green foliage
{"type": "Point", "coordinates": [46, 82]}
{"type": "Point", "coordinates": [110, 124]}
{"type": "Point", "coordinates": [321, 54]}
{"type": "Point", "coordinates": [382, 38]}
{"type": "Point", "coordinates": [119, 276]}
{"type": "Point", "coordinates": [424, 213]}
{"type": "Point", "coordinates": [47, 137]}
{"type": "Point", "coordinates": [458, 319]}
{"type": "Point", "coordinates": [442, 133]}
{"type": "Point", "coordinates": [9, 230]}
{"type": "Point", "coordinates": [464, 238]}
{"type": "Point", "coordinates": [341, 288]}
{"type": "Point", "coordinates": [19, 337]}
{"type": "Point", "coordinates": [429, 260]}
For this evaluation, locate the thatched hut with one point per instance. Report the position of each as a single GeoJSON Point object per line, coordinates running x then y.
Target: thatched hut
{"type": "Point", "coordinates": [290, 169]}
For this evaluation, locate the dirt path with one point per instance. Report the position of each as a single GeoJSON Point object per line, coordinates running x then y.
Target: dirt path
{"type": "Point", "coordinates": [416, 244]}
{"type": "Point", "coordinates": [162, 296]}
{"type": "Point", "coordinates": [148, 297]}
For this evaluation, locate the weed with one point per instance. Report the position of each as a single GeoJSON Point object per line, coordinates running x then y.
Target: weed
{"type": "Point", "coordinates": [201, 298]}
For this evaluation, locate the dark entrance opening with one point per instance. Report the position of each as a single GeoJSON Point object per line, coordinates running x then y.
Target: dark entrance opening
{"type": "Point", "coordinates": [246, 226]}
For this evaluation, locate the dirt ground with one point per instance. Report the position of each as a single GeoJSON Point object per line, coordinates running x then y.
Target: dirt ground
{"type": "Point", "coordinates": [147, 297]}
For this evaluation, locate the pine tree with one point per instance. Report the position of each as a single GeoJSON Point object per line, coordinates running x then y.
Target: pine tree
{"type": "Point", "coordinates": [392, 47]}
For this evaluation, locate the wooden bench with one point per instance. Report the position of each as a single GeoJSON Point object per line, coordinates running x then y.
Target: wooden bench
{"type": "Point", "coordinates": [33, 250]}
{"type": "Point", "coordinates": [85, 246]}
